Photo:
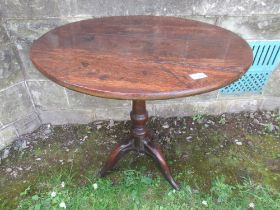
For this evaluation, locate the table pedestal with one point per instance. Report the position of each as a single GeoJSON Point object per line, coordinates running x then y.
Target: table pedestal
{"type": "Point", "coordinates": [142, 141]}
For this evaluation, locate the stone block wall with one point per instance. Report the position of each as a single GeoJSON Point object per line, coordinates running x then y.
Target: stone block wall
{"type": "Point", "coordinates": [28, 99]}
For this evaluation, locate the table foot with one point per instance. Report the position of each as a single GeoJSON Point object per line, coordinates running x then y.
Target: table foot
{"type": "Point", "coordinates": [153, 149]}
{"type": "Point", "coordinates": [119, 151]}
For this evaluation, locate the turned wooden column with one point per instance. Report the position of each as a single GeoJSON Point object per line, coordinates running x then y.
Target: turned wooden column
{"type": "Point", "coordinates": [139, 118]}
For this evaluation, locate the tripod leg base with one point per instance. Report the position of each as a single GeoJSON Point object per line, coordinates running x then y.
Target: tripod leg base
{"type": "Point", "coordinates": [150, 148]}
{"type": "Point", "coordinates": [141, 141]}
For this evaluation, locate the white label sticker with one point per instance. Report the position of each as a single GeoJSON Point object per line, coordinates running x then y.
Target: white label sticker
{"type": "Point", "coordinates": [198, 76]}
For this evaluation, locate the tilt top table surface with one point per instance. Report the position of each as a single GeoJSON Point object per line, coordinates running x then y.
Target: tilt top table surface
{"type": "Point", "coordinates": [141, 58]}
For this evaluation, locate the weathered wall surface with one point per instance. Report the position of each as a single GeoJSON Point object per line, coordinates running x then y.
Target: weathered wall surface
{"type": "Point", "coordinates": [28, 99]}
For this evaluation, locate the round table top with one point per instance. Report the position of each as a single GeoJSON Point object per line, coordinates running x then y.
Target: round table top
{"type": "Point", "coordinates": [141, 57]}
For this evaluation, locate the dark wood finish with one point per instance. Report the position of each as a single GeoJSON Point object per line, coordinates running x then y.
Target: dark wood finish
{"type": "Point", "coordinates": [142, 141]}
{"type": "Point", "coordinates": [141, 57]}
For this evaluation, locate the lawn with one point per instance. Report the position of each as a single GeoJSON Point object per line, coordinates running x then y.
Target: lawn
{"type": "Point", "coordinates": [230, 161]}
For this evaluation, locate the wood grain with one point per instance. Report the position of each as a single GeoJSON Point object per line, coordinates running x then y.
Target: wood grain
{"type": "Point", "coordinates": [141, 57]}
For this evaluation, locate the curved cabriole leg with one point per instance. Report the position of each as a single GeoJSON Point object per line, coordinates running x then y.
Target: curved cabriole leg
{"type": "Point", "coordinates": [119, 151]}
{"type": "Point", "coordinates": [154, 151]}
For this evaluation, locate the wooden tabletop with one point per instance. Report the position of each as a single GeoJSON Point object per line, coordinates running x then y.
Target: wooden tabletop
{"type": "Point", "coordinates": [141, 57]}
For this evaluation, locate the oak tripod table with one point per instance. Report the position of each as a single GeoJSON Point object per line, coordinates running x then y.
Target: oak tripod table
{"type": "Point", "coordinates": [141, 58]}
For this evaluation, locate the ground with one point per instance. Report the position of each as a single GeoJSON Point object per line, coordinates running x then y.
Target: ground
{"type": "Point", "coordinates": [230, 161]}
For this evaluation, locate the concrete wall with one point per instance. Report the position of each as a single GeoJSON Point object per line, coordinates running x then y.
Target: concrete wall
{"type": "Point", "coordinates": [28, 99]}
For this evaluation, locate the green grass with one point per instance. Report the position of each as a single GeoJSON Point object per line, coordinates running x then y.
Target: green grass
{"type": "Point", "coordinates": [214, 172]}
{"type": "Point", "coordinates": [136, 191]}
{"type": "Point", "coordinates": [199, 118]}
